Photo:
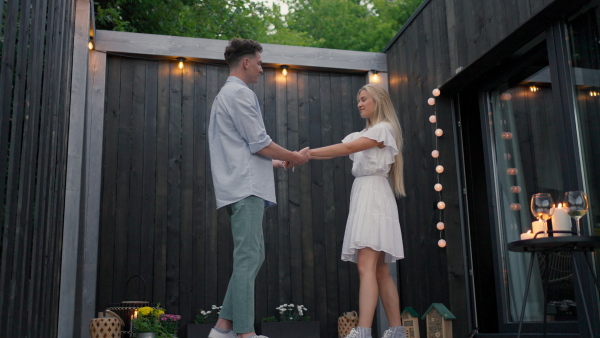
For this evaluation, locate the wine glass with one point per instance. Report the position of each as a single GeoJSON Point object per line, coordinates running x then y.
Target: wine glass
{"type": "Point", "coordinates": [542, 207]}
{"type": "Point", "coordinates": [576, 205]}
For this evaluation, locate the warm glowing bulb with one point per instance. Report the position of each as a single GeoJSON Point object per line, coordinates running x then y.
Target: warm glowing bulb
{"type": "Point", "coordinates": [431, 101]}
{"type": "Point", "coordinates": [515, 189]}
{"type": "Point", "coordinates": [442, 243]}
{"type": "Point", "coordinates": [180, 65]}
{"type": "Point", "coordinates": [432, 119]}
{"type": "Point", "coordinates": [90, 45]}
{"type": "Point", "coordinates": [435, 154]}
{"type": "Point", "coordinates": [507, 135]}
{"type": "Point", "coordinates": [515, 206]}
{"type": "Point", "coordinates": [441, 205]}
{"type": "Point", "coordinates": [440, 226]}
{"type": "Point", "coordinates": [284, 72]}
{"type": "Point", "coordinates": [439, 169]}
{"type": "Point", "coordinates": [439, 132]}
{"type": "Point", "coordinates": [436, 92]}
{"type": "Point", "coordinates": [512, 171]}
{"type": "Point", "coordinates": [437, 187]}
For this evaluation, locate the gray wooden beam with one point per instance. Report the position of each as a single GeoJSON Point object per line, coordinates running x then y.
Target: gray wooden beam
{"type": "Point", "coordinates": [72, 211]}
{"type": "Point", "coordinates": [208, 49]}
{"type": "Point", "coordinates": [94, 132]}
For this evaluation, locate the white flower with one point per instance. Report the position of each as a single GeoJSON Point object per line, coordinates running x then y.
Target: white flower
{"type": "Point", "coordinates": [203, 313]}
{"type": "Point", "coordinates": [214, 307]}
{"type": "Point", "coordinates": [207, 312]}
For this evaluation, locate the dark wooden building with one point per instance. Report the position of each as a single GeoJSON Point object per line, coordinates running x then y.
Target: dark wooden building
{"type": "Point", "coordinates": [104, 172]}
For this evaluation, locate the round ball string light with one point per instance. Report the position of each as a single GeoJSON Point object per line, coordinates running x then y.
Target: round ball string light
{"type": "Point", "coordinates": [439, 169]}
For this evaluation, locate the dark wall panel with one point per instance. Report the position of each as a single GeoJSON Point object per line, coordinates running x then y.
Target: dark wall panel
{"type": "Point", "coordinates": [447, 43]}
{"type": "Point", "coordinates": [158, 207]}
{"type": "Point", "coordinates": [36, 47]}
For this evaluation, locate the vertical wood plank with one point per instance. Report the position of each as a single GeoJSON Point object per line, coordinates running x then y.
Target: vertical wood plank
{"type": "Point", "coordinates": [148, 223]}
{"type": "Point", "coordinates": [295, 220]}
{"type": "Point", "coordinates": [210, 269]}
{"type": "Point", "coordinates": [173, 190]}
{"type": "Point", "coordinates": [134, 253]}
{"type": "Point", "coordinates": [314, 87]}
{"type": "Point", "coordinates": [200, 193]}
{"type": "Point", "coordinates": [162, 172]}
{"type": "Point", "coordinates": [308, 258]}
{"type": "Point", "coordinates": [186, 258]}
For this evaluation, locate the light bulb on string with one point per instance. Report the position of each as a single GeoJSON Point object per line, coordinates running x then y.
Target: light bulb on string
{"type": "Point", "coordinates": [436, 92]}
{"type": "Point", "coordinates": [439, 169]}
{"type": "Point", "coordinates": [285, 70]}
{"type": "Point", "coordinates": [431, 101]}
{"type": "Point", "coordinates": [442, 243]}
{"type": "Point", "coordinates": [435, 154]}
{"type": "Point", "coordinates": [440, 226]}
{"type": "Point", "coordinates": [441, 205]}
{"type": "Point", "coordinates": [437, 187]}
{"type": "Point", "coordinates": [432, 119]}
{"type": "Point", "coordinates": [439, 132]}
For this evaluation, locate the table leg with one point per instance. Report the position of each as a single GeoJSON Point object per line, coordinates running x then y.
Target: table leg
{"type": "Point", "coordinates": [589, 264]}
{"type": "Point", "coordinates": [545, 286]}
{"type": "Point", "coordinates": [526, 293]}
{"type": "Point", "coordinates": [585, 309]}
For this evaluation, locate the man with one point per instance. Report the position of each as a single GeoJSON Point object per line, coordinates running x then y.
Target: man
{"type": "Point", "coordinates": [242, 157]}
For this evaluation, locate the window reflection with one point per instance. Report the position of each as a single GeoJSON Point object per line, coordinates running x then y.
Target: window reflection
{"type": "Point", "coordinates": [524, 126]}
{"type": "Point", "coordinates": [585, 59]}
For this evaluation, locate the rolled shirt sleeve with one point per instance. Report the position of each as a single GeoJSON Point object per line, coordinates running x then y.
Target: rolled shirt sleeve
{"type": "Point", "coordinates": [248, 120]}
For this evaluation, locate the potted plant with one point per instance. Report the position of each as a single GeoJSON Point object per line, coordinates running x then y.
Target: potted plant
{"type": "Point", "coordinates": [154, 323]}
{"type": "Point", "coordinates": [204, 322]}
{"type": "Point", "coordinates": [146, 324]}
{"type": "Point", "coordinates": [293, 323]}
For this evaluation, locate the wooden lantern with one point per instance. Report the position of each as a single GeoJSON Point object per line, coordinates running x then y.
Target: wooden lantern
{"type": "Point", "coordinates": [410, 321]}
{"type": "Point", "coordinates": [438, 321]}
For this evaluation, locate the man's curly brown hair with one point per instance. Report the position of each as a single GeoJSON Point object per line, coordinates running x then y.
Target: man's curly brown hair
{"type": "Point", "coordinates": [238, 48]}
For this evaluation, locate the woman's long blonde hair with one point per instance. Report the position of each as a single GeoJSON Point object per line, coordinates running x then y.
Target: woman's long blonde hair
{"type": "Point", "coordinates": [384, 112]}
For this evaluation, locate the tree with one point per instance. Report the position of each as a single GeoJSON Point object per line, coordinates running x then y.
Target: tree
{"type": "Point", "coordinates": [364, 25]}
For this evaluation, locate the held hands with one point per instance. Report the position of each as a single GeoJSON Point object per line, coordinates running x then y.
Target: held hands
{"type": "Point", "coordinates": [301, 157]}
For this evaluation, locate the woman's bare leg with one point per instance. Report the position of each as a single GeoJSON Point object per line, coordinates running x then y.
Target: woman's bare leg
{"type": "Point", "coordinates": [388, 292]}
{"type": "Point", "coordinates": [368, 293]}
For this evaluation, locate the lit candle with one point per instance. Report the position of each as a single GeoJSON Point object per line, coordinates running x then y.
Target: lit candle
{"type": "Point", "coordinates": [538, 226]}
{"type": "Point", "coordinates": [561, 221]}
{"type": "Point", "coordinates": [527, 235]}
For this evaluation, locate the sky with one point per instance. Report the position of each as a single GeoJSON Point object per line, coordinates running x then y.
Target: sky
{"type": "Point", "coordinates": [284, 7]}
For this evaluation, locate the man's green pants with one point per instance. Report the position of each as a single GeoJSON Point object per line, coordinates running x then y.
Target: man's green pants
{"type": "Point", "coordinates": [248, 256]}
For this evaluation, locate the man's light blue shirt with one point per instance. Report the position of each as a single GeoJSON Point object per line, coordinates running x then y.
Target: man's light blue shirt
{"type": "Point", "coordinates": [235, 135]}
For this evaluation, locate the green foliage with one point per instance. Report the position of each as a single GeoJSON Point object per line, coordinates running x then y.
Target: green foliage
{"type": "Point", "coordinates": [366, 25]}
{"type": "Point", "coordinates": [208, 316]}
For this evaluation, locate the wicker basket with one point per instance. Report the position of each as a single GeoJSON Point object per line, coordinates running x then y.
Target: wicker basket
{"type": "Point", "coordinates": [105, 328]}
{"type": "Point", "coordinates": [346, 323]}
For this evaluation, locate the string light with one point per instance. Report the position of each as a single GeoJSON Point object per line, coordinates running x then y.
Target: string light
{"type": "Point", "coordinates": [439, 168]}
{"type": "Point", "coordinates": [91, 43]}
{"type": "Point", "coordinates": [594, 93]}
{"type": "Point", "coordinates": [534, 88]}
{"type": "Point", "coordinates": [285, 70]}
{"type": "Point", "coordinates": [180, 62]}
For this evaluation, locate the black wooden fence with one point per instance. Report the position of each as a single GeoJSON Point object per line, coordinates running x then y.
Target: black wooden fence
{"type": "Point", "coordinates": [36, 40]}
{"type": "Point", "coordinates": [158, 217]}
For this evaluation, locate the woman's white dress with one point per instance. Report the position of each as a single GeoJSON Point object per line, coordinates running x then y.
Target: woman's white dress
{"type": "Point", "coordinates": [373, 216]}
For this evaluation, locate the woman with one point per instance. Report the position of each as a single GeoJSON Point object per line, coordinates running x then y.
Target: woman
{"type": "Point", "coordinates": [373, 237]}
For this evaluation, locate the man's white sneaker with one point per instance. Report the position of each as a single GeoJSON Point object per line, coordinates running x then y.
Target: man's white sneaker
{"type": "Point", "coordinates": [216, 334]}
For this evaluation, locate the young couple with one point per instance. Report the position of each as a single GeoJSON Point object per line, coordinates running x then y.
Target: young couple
{"type": "Point", "coordinates": [242, 155]}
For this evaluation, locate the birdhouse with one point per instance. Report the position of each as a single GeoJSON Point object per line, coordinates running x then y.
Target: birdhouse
{"type": "Point", "coordinates": [438, 321]}
{"type": "Point", "coordinates": [410, 321]}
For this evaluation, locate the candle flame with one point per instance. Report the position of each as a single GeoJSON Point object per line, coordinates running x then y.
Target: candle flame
{"type": "Point", "coordinates": [559, 205]}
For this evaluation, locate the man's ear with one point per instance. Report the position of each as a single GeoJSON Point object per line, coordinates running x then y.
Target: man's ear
{"type": "Point", "coordinates": [245, 63]}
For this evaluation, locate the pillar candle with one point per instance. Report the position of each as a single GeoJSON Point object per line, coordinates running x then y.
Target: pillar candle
{"type": "Point", "coordinates": [537, 226]}
{"type": "Point", "coordinates": [527, 235]}
{"type": "Point", "coordinates": [561, 221]}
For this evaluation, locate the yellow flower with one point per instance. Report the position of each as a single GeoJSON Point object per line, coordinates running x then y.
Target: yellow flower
{"type": "Point", "coordinates": [159, 312]}
{"type": "Point", "coordinates": [145, 311]}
